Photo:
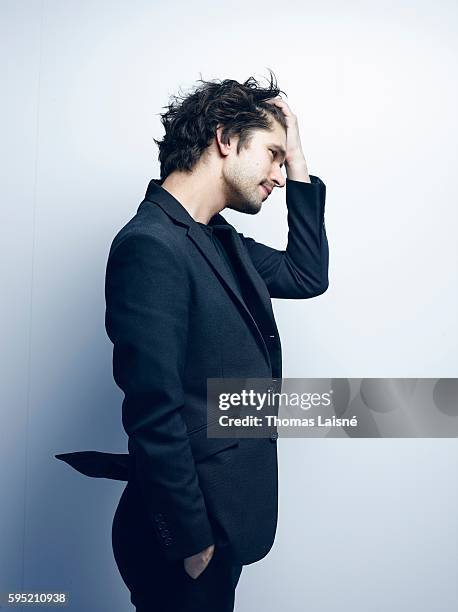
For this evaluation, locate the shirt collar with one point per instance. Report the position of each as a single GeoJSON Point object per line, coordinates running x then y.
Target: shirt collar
{"type": "Point", "coordinates": [156, 193]}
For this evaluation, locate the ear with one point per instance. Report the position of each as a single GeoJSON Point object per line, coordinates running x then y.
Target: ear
{"type": "Point", "coordinates": [224, 148]}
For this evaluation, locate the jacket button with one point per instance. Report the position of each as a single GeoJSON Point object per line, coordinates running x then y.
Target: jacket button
{"type": "Point", "coordinates": [274, 436]}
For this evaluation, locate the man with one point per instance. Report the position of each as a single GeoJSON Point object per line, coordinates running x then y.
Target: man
{"type": "Point", "coordinates": [187, 299]}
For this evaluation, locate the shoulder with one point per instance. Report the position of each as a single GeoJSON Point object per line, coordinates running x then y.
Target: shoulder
{"type": "Point", "coordinates": [150, 231]}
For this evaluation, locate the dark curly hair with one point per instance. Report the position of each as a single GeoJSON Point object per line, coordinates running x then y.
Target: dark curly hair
{"type": "Point", "coordinates": [190, 120]}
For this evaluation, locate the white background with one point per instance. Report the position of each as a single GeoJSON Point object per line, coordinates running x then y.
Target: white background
{"type": "Point", "coordinates": [364, 524]}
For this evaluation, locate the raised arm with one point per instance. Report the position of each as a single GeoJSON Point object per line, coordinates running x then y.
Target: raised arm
{"type": "Point", "coordinates": [300, 271]}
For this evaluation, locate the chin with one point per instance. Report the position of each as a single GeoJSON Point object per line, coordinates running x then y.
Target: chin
{"type": "Point", "coordinates": [249, 207]}
{"type": "Point", "coordinates": [255, 209]}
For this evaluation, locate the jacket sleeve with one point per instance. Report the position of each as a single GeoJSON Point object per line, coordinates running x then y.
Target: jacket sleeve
{"type": "Point", "coordinates": [147, 299]}
{"type": "Point", "coordinates": [301, 271]}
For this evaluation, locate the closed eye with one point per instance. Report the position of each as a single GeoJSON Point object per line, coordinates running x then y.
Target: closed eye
{"type": "Point", "coordinates": [274, 155]}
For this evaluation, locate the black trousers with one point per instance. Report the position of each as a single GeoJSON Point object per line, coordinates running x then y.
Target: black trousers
{"type": "Point", "coordinates": [159, 585]}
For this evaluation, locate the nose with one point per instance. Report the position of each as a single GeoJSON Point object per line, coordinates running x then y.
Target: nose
{"type": "Point", "coordinates": [277, 177]}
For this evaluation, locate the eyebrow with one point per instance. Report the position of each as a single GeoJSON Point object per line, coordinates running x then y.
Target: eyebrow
{"type": "Point", "coordinates": [279, 149]}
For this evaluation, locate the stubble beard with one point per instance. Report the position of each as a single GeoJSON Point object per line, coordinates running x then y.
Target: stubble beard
{"type": "Point", "coordinates": [244, 194]}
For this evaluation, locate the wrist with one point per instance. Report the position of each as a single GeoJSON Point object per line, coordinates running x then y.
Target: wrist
{"type": "Point", "coordinates": [297, 171]}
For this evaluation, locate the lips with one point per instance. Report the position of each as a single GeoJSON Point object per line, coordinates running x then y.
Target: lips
{"type": "Point", "coordinates": [267, 190]}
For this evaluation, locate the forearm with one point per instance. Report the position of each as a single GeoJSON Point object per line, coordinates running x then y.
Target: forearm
{"type": "Point", "coordinates": [306, 255]}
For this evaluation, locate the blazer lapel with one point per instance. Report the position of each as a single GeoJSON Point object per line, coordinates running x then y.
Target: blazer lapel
{"type": "Point", "coordinates": [255, 310]}
{"type": "Point", "coordinates": [259, 309]}
{"type": "Point", "coordinates": [255, 289]}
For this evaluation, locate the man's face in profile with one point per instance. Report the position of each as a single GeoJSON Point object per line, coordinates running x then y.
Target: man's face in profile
{"type": "Point", "coordinates": [250, 175]}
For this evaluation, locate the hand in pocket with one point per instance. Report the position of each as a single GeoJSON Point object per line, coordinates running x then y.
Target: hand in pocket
{"type": "Point", "coordinates": [197, 563]}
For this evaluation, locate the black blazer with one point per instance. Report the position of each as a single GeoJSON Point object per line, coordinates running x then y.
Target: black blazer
{"type": "Point", "coordinates": [176, 318]}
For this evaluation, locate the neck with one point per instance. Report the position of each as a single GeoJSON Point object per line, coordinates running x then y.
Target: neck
{"type": "Point", "coordinates": [200, 192]}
